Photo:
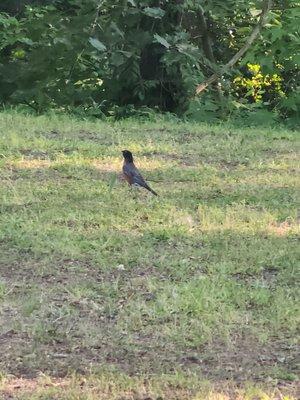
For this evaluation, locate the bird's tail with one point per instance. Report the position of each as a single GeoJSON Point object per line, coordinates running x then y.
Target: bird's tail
{"type": "Point", "coordinates": [152, 191]}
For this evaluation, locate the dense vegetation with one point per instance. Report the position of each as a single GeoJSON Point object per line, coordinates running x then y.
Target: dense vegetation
{"type": "Point", "coordinates": [114, 57]}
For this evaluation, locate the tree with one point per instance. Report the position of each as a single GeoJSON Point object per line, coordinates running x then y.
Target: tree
{"type": "Point", "coordinates": [107, 55]}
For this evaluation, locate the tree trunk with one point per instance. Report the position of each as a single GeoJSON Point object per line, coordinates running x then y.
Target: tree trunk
{"type": "Point", "coordinates": [207, 48]}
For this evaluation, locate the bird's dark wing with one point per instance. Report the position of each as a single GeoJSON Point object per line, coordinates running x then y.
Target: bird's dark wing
{"type": "Point", "coordinates": [134, 177]}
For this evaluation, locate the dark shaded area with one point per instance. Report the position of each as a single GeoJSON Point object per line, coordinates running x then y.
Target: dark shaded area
{"type": "Point", "coordinates": [16, 6]}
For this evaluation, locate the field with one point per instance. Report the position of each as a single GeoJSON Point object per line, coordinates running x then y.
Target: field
{"type": "Point", "coordinates": [112, 293]}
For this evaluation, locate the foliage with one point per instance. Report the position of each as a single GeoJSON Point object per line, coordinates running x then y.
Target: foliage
{"type": "Point", "coordinates": [279, 55]}
{"type": "Point", "coordinates": [259, 87]}
{"type": "Point", "coordinates": [103, 54]}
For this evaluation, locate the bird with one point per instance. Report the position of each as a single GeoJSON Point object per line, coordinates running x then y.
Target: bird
{"type": "Point", "coordinates": [131, 174]}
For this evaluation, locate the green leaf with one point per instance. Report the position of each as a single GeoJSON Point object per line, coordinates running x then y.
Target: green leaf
{"type": "Point", "coordinates": [243, 30]}
{"type": "Point", "coordinates": [154, 12]}
{"type": "Point", "coordinates": [127, 54]}
{"type": "Point", "coordinates": [254, 12]}
{"type": "Point", "coordinates": [116, 30]}
{"type": "Point", "coordinates": [296, 59]}
{"type": "Point", "coordinates": [97, 44]}
{"type": "Point", "coordinates": [276, 33]}
{"type": "Point", "coordinates": [27, 41]}
{"type": "Point", "coordinates": [162, 41]}
{"type": "Point", "coordinates": [117, 59]}
{"type": "Point", "coordinates": [188, 50]}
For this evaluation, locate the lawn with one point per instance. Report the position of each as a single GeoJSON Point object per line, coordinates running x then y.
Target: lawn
{"type": "Point", "coordinates": [112, 293]}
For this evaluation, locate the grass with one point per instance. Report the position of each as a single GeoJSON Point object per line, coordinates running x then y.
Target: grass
{"type": "Point", "coordinates": [109, 292]}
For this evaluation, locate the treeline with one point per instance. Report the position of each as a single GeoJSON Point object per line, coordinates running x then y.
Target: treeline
{"type": "Point", "coordinates": [127, 56]}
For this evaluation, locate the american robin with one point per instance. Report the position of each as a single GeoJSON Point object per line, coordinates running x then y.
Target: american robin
{"type": "Point", "coordinates": [132, 174]}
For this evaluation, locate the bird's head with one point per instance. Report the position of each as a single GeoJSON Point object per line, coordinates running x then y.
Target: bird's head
{"type": "Point", "coordinates": [127, 155]}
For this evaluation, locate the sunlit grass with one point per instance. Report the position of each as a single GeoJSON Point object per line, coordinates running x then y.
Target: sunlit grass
{"type": "Point", "coordinates": [112, 386]}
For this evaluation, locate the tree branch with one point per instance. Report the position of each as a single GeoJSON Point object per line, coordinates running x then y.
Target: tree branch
{"type": "Point", "coordinates": [267, 4]}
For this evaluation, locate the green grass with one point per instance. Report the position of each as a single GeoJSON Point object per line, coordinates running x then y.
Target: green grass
{"type": "Point", "coordinates": [187, 295]}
